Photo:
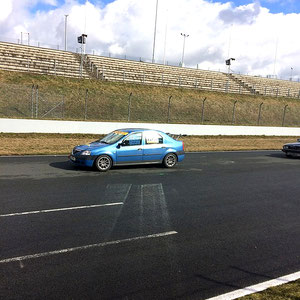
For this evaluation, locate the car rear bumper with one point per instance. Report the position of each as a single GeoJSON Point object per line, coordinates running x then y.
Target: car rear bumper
{"type": "Point", "coordinates": [180, 157]}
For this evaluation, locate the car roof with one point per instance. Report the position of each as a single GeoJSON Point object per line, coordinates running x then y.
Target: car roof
{"type": "Point", "coordinates": [136, 129]}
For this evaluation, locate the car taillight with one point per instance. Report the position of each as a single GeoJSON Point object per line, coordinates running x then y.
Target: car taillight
{"type": "Point", "coordinates": [182, 146]}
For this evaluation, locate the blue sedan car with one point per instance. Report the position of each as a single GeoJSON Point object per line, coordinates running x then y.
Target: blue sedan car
{"type": "Point", "coordinates": [129, 147]}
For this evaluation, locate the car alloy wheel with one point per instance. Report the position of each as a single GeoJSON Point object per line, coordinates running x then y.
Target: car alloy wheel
{"type": "Point", "coordinates": [103, 163]}
{"type": "Point", "coordinates": [170, 160]}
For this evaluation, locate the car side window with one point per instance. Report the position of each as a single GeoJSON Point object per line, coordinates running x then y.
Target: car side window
{"type": "Point", "coordinates": [153, 138]}
{"type": "Point", "coordinates": [134, 139]}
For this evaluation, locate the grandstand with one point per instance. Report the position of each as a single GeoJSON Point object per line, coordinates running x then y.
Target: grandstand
{"type": "Point", "coordinates": [21, 58]}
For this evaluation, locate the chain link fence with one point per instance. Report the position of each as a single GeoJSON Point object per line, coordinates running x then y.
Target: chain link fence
{"type": "Point", "coordinates": [38, 102]}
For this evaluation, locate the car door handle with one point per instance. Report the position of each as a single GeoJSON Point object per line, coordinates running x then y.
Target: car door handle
{"type": "Point", "coordinates": [163, 147]}
{"type": "Point", "coordinates": [140, 149]}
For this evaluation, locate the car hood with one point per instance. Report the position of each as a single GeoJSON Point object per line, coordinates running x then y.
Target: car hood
{"type": "Point", "coordinates": [91, 146]}
{"type": "Point", "coordinates": [293, 144]}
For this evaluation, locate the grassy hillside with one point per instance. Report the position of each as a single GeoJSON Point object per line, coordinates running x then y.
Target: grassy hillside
{"type": "Point", "coordinates": [66, 98]}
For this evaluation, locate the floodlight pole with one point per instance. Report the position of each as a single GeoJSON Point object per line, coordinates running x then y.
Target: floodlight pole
{"type": "Point", "coordinates": [66, 17]}
{"type": "Point", "coordinates": [291, 79]}
{"type": "Point", "coordinates": [153, 52]}
{"type": "Point", "coordinates": [184, 37]}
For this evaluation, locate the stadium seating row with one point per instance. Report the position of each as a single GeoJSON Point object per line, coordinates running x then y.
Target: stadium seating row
{"type": "Point", "coordinates": [15, 57]}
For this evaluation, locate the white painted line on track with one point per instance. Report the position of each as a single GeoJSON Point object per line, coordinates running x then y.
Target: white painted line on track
{"type": "Point", "coordinates": [258, 287]}
{"type": "Point", "coordinates": [58, 209]}
{"type": "Point", "coordinates": [68, 250]}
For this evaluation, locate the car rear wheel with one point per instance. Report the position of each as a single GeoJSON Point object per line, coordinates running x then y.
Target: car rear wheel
{"type": "Point", "coordinates": [103, 163]}
{"type": "Point", "coordinates": [170, 160]}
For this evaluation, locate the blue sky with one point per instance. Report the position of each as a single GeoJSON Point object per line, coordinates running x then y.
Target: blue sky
{"type": "Point", "coordinates": [275, 6]}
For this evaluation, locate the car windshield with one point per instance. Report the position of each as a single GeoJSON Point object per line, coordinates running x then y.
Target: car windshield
{"type": "Point", "coordinates": [113, 137]}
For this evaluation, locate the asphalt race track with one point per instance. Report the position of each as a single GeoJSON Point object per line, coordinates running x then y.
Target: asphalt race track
{"type": "Point", "coordinates": [215, 223]}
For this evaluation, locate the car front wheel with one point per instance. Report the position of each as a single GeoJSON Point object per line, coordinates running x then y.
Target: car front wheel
{"type": "Point", "coordinates": [170, 160]}
{"type": "Point", "coordinates": [103, 163]}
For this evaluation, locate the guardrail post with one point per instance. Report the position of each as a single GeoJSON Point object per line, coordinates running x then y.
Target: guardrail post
{"type": "Point", "coordinates": [259, 114]}
{"type": "Point", "coordinates": [233, 112]}
{"type": "Point", "coordinates": [202, 114]}
{"type": "Point", "coordinates": [169, 105]}
{"type": "Point", "coordinates": [129, 107]}
{"type": "Point", "coordinates": [284, 111]}
{"type": "Point", "coordinates": [85, 103]}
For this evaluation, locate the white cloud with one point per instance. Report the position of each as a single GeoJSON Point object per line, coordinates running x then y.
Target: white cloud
{"type": "Point", "coordinates": [6, 9]}
{"type": "Point", "coordinates": [249, 33]}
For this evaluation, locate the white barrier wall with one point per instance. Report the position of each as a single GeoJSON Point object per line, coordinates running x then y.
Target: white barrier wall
{"type": "Point", "coordinates": [46, 126]}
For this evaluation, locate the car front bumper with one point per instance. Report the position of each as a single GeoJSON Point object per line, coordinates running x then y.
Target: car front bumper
{"type": "Point", "coordinates": [82, 160]}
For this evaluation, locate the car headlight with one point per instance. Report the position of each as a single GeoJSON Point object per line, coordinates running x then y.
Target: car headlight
{"type": "Point", "coordinates": [86, 152]}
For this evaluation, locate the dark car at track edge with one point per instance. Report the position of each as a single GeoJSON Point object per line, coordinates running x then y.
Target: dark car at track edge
{"type": "Point", "coordinates": [292, 149]}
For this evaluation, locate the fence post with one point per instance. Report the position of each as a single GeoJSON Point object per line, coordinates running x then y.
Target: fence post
{"type": "Point", "coordinates": [211, 84]}
{"type": "Point", "coordinates": [36, 101]}
{"type": "Point", "coordinates": [129, 106]}
{"type": "Point", "coordinates": [63, 108]}
{"type": "Point", "coordinates": [284, 111]}
{"type": "Point", "coordinates": [233, 112]}
{"type": "Point", "coordinates": [169, 105]}
{"type": "Point", "coordinates": [32, 96]}
{"type": "Point", "coordinates": [259, 114]}
{"type": "Point", "coordinates": [85, 103]}
{"type": "Point", "coordinates": [299, 94]}
{"type": "Point", "coordinates": [123, 76]}
{"type": "Point", "coordinates": [277, 93]}
{"type": "Point", "coordinates": [202, 115]}
{"type": "Point", "coordinates": [179, 80]}
{"type": "Point", "coordinates": [288, 92]}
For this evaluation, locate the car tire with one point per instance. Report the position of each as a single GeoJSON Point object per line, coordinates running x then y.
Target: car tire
{"type": "Point", "coordinates": [103, 163]}
{"type": "Point", "coordinates": [170, 160]}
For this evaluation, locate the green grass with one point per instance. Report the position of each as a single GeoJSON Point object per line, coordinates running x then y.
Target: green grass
{"type": "Point", "coordinates": [108, 101]}
{"type": "Point", "coordinates": [288, 291]}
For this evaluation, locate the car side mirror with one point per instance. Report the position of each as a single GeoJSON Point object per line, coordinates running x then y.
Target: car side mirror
{"type": "Point", "coordinates": [121, 144]}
